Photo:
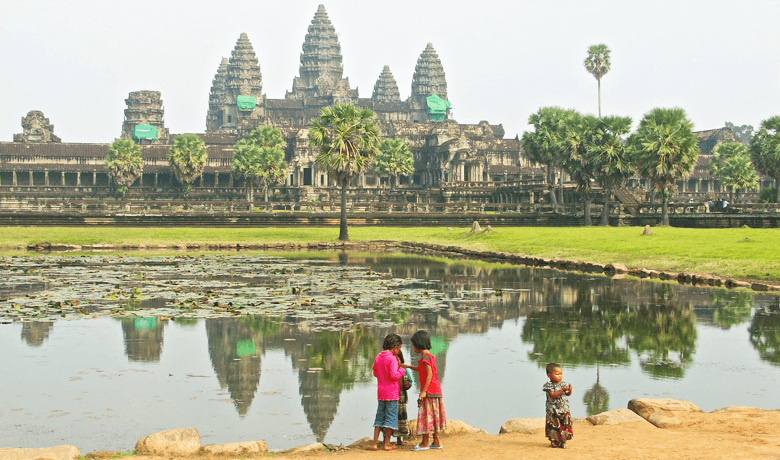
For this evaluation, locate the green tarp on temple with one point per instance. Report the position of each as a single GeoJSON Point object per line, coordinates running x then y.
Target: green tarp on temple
{"type": "Point", "coordinates": [246, 102]}
{"type": "Point", "coordinates": [437, 107]}
{"type": "Point", "coordinates": [145, 132]}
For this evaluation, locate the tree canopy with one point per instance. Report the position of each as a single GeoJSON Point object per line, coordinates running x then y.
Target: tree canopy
{"type": "Point", "coordinates": [666, 150]}
{"type": "Point", "coordinates": [187, 158]}
{"type": "Point", "coordinates": [124, 163]}
{"type": "Point", "coordinates": [597, 63]}
{"type": "Point", "coordinates": [394, 158]}
{"type": "Point", "coordinates": [730, 163]}
{"type": "Point", "coordinates": [765, 150]}
{"type": "Point", "coordinates": [611, 157]}
{"type": "Point", "coordinates": [260, 159]}
{"type": "Point", "coordinates": [546, 143]}
{"type": "Point", "coordinates": [347, 139]}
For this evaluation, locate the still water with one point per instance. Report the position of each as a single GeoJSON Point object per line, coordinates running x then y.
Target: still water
{"type": "Point", "coordinates": [100, 351]}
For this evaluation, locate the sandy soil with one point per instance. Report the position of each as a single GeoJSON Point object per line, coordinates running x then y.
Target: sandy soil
{"type": "Point", "coordinates": [740, 433]}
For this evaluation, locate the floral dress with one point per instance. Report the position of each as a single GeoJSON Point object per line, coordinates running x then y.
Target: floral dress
{"type": "Point", "coordinates": [557, 424]}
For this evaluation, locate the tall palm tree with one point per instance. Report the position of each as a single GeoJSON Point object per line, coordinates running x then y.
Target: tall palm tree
{"type": "Point", "coordinates": [577, 159]}
{"type": "Point", "coordinates": [545, 144]}
{"type": "Point", "coordinates": [124, 163]}
{"type": "Point", "coordinates": [597, 64]}
{"type": "Point", "coordinates": [665, 149]}
{"type": "Point", "coordinates": [347, 138]}
{"type": "Point", "coordinates": [611, 156]}
{"type": "Point", "coordinates": [765, 150]}
{"type": "Point", "coordinates": [187, 158]}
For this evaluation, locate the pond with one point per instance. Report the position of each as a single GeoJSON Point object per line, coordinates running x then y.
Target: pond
{"type": "Point", "coordinates": [101, 350]}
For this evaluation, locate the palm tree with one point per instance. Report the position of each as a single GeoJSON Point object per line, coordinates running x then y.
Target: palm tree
{"type": "Point", "coordinates": [597, 64]}
{"type": "Point", "coordinates": [731, 164]}
{"type": "Point", "coordinates": [611, 156]}
{"type": "Point", "coordinates": [260, 158]}
{"type": "Point", "coordinates": [665, 149]}
{"type": "Point", "coordinates": [394, 158]}
{"type": "Point", "coordinates": [124, 163]}
{"type": "Point", "coordinates": [765, 150]}
{"type": "Point", "coordinates": [545, 144]}
{"type": "Point", "coordinates": [577, 159]}
{"type": "Point", "coordinates": [347, 138]}
{"type": "Point", "coordinates": [187, 158]}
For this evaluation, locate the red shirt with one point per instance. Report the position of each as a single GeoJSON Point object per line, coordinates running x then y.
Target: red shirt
{"type": "Point", "coordinates": [434, 389]}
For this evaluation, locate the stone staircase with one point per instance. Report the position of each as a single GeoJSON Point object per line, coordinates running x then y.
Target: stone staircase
{"type": "Point", "coordinates": [627, 199]}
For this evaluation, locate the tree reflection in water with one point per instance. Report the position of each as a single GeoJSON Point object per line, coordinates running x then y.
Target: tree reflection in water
{"type": "Point", "coordinates": [765, 332]}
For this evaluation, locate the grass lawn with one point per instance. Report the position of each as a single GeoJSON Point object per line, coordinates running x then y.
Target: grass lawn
{"type": "Point", "coordinates": [736, 253]}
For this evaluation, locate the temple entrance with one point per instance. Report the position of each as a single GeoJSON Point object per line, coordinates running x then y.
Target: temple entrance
{"type": "Point", "coordinates": [307, 176]}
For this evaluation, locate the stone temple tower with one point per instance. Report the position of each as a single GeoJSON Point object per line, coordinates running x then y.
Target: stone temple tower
{"type": "Point", "coordinates": [145, 118]}
{"type": "Point", "coordinates": [321, 70]}
{"type": "Point", "coordinates": [428, 80]}
{"type": "Point", "coordinates": [36, 128]}
{"type": "Point", "coordinates": [385, 88]}
{"type": "Point", "coordinates": [236, 96]}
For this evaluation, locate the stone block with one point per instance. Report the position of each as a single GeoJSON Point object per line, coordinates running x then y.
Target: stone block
{"type": "Point", "coordinates": [523, 425]}
{"type": "Point", "coordinates": [182, 441]}
{"type": "Point", "coordinates": [615, 269]}
{"type": "Point", "coordinates": [315, 447]}
{"type": "Point", "coordinates": [237, 449]}
{"type": "Point", "coordinates": [661, 412]}
{"type": "Point", "coordinates": [53, 453]}
{"type": "Point", "coordinates": [614, 417]}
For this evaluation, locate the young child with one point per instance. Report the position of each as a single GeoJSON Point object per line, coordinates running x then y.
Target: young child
{"type": "Point", "coordinates": [388, 372]}
{"type": "Point", "coordinates": [558, 417]}
{"type": "Point", "coordinates": [403, 397]}
{"type": "Point", "coordinates": [431, 418]}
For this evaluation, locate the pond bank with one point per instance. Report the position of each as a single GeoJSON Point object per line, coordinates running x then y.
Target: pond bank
{"type": "Point", "coordinates": [615, 269]}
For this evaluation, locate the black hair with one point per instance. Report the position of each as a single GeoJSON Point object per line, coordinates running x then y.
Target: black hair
{"type": "Point", "coordinates": [392, 340]}
{"type": "Point", "coordinates": [401, 356]}
{"type": "Point", "coordinates": [552, 366]}
{"type": "Point", "coordinates": [421, 340]}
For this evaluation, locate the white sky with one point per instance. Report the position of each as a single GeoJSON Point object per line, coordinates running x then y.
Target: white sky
{"type": "Point", "coordinates": [77, 60]}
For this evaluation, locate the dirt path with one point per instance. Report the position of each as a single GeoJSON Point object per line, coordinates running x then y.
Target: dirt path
{"type": "Point", "coordinates": [740, 433]}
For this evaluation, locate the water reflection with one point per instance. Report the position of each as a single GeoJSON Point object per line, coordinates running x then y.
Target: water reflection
{"type": "Point", "coordinates": [598, 328]}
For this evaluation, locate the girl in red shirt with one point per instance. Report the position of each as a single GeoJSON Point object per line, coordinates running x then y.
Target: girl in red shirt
{"type": "Point", "coordinates": [431, 418]}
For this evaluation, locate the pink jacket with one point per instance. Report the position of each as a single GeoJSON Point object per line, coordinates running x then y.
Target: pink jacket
{"type": "Point", "coordinates": [387, 373]}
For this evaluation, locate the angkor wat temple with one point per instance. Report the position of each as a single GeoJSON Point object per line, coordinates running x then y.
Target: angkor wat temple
{"type": "Point", "coordinates": [469, 163]}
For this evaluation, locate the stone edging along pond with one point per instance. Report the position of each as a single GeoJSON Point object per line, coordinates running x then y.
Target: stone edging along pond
{"type": "Point", "coordinates": [612, 270]}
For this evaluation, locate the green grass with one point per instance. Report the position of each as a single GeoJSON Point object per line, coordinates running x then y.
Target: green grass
{"type": "Point", "coordinates": [737, 253]}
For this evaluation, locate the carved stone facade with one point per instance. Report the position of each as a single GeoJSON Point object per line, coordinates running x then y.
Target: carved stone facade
{"type": "Point", "coordinates": [145, 109]}
{"type": "Point", "coordinates": [36, 128]}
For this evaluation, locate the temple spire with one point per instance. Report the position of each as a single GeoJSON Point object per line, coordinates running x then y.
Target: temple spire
{"type": "Point", "coordinates": [385, 88]}
{"type": "Point", "coordinates": [429, 78]}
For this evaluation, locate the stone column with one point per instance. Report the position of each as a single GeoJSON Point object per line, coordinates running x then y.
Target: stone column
{"type": "Point", "coordinates": [94, 178]}
{"type": "Point", "coordinates": [216, 179]}
{"type": "Point", "coordinates": [156, 179]}
{"type": "Point", "coordinates": [13, 179]}
{"type": "Point", "coordinates": [141, 180]}
{"type": "Point", "coordinates": [31, 178]}
{"type": "Point", "coordinates": [78, 179]}
{"type": "Point", "coordinates": [230, 180]}
{"type": "Point", "coordinates": [46, 178]}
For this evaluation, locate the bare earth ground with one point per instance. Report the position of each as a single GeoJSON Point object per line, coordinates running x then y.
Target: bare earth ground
{"type": "Point", "coordinates": [741, 433]}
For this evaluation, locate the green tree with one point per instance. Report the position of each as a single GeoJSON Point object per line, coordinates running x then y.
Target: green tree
{"type": "Point", "coordinates": [666, 150]}
{"type": "Point", "coordinates": [187, 158]}
{"type": "Point", "coordinates": [124, 163]}
{"type": "Point", "coordinates": [576, 159]}
{"type": "Point", "coordinates": [546, 143]}
{"type": "Point", "coordinates": [765, 150]}
{"type": "Point", "coordinates": [260, 159]}
{"type": "Point", "coordinates": [730, 163]}
{"type": "Point", "coordinates": [394, 158]}
{"type": "Point", "coordinates": [597, 64]}
{"type": "Point", "coordinates": [611, 157]}
{"type": "Point", "coordinates": [347, 139]}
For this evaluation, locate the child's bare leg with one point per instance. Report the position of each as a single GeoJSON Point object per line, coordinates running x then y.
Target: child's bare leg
{"type": "Point", "coordinates": [424, 442]}
{"type": "Point", "coordinates": [388, 438]}
{"type": "Point", "coordinates": [374, 445]}
{"type": "Point", "coordinates": [436, 441]}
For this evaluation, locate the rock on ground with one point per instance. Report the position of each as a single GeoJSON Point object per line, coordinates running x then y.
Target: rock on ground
{"type": "Point", "coordinates": [182, 441]}
{"type": "Point", "coordinates": [662, 412]}
{"type": "Point", "coordinates": [315, 447]}
{"type": "Point", "coordinates": [614, 417]}
{"type": "Point", "coordinates": [53, 453]}
{"type": "Point", "coordinates": [523, 425]}
{"type": "Point", "coordinates": [237, 449]}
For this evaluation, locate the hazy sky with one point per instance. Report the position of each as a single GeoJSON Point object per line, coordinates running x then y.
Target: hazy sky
{"type": "Point", "coordinates": [77, 60]}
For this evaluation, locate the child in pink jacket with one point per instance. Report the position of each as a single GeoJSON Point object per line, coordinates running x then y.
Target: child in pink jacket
{"type": "Point", "coordinates": [388, 372]}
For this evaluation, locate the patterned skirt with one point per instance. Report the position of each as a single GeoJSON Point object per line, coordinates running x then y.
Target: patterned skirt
{"type": "Point", "coordinates": [430, 416]}
{"type": "Point", "coordinates": [403, 418]}
{"type": "Point", "coordinates": [558, 428]}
